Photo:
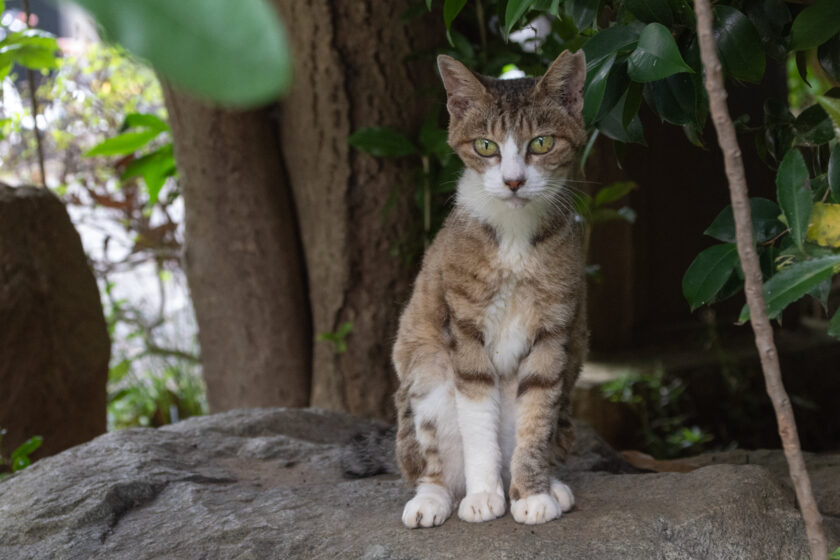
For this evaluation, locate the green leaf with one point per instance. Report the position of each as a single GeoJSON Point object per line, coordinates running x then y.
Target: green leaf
{"type": "Point", "coordinates": [583, 12]}
{"type": "Point", "coordinates": [612, 125]}
{"type": "Point", "coordinates": [813, 126]}
{"type": "Point", "coordinates": [20, 456]}
{"type": "Point", "coordinates": [738, 44]}
{"type": "Point", "coordinates": [673, 98]}
{"type": "Point", "coordinates": [656, 56]}
{"type": "Point", "coordinates": [765, 221]}
{"type": "Point", "coordinates": [834, 172]}
{"type": "Point", "coordinates": [614, 192]}
{"type": "Point", "coordinates": [834, 330]}
{"type": "Point", "coordinates": [451, 9]}
{"type": "Point", "coordinates": [632, 103]}
{"type": "Point", "coordinates": [829, 57]}
{"type": "Point", "coordinates": [119, 371]}
{"type": "Point", "coordinates": [596, 84]}
{"type": "Point", "coordinates": [514, 11]}
{"type": "Point", "coordinates": [831, 106]}
{"type": "Point", "coordinates": [794, 194]}
{"type": "Point", "coordinates": [32, 48]}
{"type": "Point", "coordinates": [239, 58]}
{"type": "Point", "coordinates": [815, 24]}
{"type": "Point", "coordinates": [651, 11]}
{"type": "Point", "coordinates": [708, 274]}
{"type": "Point", "coordinates": [145, 120]}
{"type": "Point", "coordinates": [771, 19]}
{"type": "Point", "coordinates": [381, 141]}
{"type": "Point", "coordinates": [123, 144]}
{"type": "Point", "coordinates": [154, 167]}
{"type": "Point", "coordinates": [609, 41]}
{"type": "Point", "coordinates": [791, 283]}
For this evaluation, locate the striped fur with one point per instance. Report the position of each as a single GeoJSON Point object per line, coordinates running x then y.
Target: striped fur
{"type": "Point", "coordinates": [494, 335]}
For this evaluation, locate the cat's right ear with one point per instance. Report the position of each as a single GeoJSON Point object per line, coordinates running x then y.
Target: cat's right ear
{"type": "Point", "coordinates": [462, 86]}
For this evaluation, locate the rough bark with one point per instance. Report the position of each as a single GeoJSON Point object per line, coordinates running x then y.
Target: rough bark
{"type": "Point", "coordinates": [753, 282]}
{"type": "Point", "coordinates": [54, 346]}
{"type": "Point", "coordinates": [351, 71]}
{"type": "Point", "coordinates": [242, 256]}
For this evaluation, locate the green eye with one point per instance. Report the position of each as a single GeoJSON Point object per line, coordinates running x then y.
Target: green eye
{"type": "Point", "coordinates": [485, 147]}
{"type": "Point", "coordinates": [541, 144]}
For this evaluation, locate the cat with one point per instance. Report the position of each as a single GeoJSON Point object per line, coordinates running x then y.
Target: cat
{"type": "Point", "coordinates": [494, 334]}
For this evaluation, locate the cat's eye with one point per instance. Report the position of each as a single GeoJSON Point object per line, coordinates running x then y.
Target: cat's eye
{"type": "Point", "coordinates": [541, 144]}
{"type": "Point", "coordinates": [485, 147]}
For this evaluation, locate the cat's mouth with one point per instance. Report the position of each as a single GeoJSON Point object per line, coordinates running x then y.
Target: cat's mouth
{"type": "Point", "coordinates": [516, 201]}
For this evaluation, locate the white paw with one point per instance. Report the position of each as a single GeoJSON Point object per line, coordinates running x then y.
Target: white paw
{"type": "Point", "coordinates": [563, 495]}
{"type": "Point", "coordinates": [481, 506]}
{"type": "Point", "coordinates": [426, 510]}
{"type": "Point", "coordinates": [535, 509]}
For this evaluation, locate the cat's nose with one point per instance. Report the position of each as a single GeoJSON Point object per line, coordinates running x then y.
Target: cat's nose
{"type": "Point", "coordinates": [514, 184]}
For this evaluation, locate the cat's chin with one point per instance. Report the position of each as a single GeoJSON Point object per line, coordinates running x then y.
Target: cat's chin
{"type": "Point", "coordinates": [516, 201]}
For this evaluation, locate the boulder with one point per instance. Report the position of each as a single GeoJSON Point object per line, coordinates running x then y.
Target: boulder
{"type": "Point", "coordinates": [54, 345]}
{"type": "Point", "coordinates": [267, 483]}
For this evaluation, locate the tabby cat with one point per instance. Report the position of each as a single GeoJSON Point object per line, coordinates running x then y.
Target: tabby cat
{"type": "Point", "coordinates": [493, 337]}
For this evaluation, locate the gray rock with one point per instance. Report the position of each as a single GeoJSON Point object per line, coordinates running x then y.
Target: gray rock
{"type": "Point", "coordinates": [266, 484]}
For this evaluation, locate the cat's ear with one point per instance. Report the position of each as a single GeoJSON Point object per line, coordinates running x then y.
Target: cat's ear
{"type": "Point", "coordinates": [564, 79]}
{"type": "Point", "coordinates": [462, 86]}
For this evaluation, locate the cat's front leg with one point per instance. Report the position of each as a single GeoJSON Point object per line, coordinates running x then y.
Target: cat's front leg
{"type": "Point", "coordinates": [477, 404]}
{"type": "Point", "coordinates": [535, 496]}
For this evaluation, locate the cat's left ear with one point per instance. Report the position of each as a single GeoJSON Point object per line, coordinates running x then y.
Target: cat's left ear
{"type": "Point", "coordinates": [564, 80]}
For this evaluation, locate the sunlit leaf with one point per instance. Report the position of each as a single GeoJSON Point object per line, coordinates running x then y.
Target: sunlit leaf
{"type": "Point", "coordinates": [123, 144]}
{"type": "Point", "coordinates": [145, 120]}
{"type": "Point", "coordinates": [233, 54]}
{"type": "Point", "coordinates": [824, 228]}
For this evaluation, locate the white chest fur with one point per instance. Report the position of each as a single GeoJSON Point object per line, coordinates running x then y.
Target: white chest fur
{"type": "Point", "coordinates": [506, 318]}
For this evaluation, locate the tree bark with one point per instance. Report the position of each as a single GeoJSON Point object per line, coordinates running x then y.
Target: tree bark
{"type": "Point", "coordinates": [352, 70]}
{"type": "Point", "coordinates": [753, 282]}
{"type": "Point", "coordinates": [242, 256]}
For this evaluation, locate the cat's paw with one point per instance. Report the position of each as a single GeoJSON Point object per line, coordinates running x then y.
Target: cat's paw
{"type": "Point", "coordinates": [535, 509]}
{"type": "Point", "coordinates": [481, 506]}
{"type": "Point", "coordinates": [563, 495]}
{"type": "Point", "coordinates": [426, 510]}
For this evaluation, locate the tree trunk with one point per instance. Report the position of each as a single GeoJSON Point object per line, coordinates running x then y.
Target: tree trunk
{"type": "Point", "coordinates": [242, 256]}
{"type": "Point", "coordinates": [351, 71]}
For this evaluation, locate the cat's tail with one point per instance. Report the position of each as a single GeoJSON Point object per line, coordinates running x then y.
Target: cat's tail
{"type": "Point", "coordinates": [370, 453]}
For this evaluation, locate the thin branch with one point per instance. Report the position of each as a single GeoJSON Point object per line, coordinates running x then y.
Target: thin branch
{"type": "Point", "coordinates": [30, 75]}
{"type": "Point", "coordinates": [753, 282]}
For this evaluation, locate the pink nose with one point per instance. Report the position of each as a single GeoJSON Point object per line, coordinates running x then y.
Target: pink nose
{"type": "Point", "coordinates": [514, 184]}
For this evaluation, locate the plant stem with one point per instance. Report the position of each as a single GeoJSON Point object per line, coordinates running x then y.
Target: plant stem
{"type": "Point", "coordinates": [30, 75]}
{"type": "Point", "coordinates": [427, 203]}
{"type": "Point", "coordinates": [753, 283]}
{"type": "Point", "coordinates": [482, 29]}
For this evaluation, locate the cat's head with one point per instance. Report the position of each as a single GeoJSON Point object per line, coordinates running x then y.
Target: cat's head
{"type": "Point", "coordinates": [519, 136]}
